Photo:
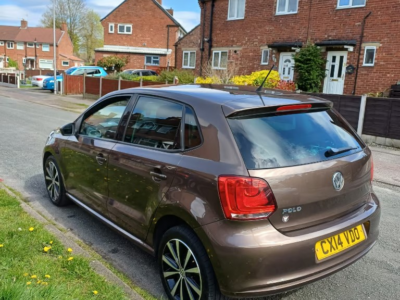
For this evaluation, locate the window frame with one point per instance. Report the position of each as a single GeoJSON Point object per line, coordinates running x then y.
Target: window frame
{"type": "Point", "coordinates": [189, 55]}
{"type": "Point", "coordinates": [65, 61]}
{"type": "Point", "coordinates": [9, 43]}
{"type": "Point", "coordinates": [152, 58]}
{"type": "Point", "coordinates": [279, 13]}
{"type": "Point", "coordinates": [20, 46]}
{"type": "Point", "coordinates": [365, 56]}
{"type": "Point", "coordinates": [113, 28]}
{"type": "Point", "coordinates": [350, 5]}
{"type": "Point", "coordinates": [43, 49]}
{"type": "Point", "coordinates": [32, 43]}
{"type": "Point", "coordinates": [220, 55]}
{"type": "Point", "coordinates": [125, 26]}
{"type": "Point", "coordinates": [262, 56]}
{"type": "Point", "coordinates": [236, 2]}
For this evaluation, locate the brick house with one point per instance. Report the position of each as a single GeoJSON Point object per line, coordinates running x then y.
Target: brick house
{"type": "Point", "coordinates": [247, 34]}
{"type": "Point", "coordinates": [33, 46]}
{"type": "Point", "coordinates": [142, 31]}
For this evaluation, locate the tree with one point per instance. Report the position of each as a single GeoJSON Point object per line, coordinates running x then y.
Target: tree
{"type": "Point", "coordinates": [110, 62]}
{"type": "Point", "coordinates": [91, 34]}
{"type": "Point", "coordinates": [310, 68]}
{"type": "Point", "coordinates": [69, 11]}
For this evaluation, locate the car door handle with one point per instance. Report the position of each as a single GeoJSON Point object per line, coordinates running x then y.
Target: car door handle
{"type": "Point", "coordinates": [101, 159]}
{"type": "Point", "coordinates": [158, 175]}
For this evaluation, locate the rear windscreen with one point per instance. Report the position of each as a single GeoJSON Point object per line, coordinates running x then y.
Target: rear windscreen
{"type": "Point", "coordinates": [293, 139]}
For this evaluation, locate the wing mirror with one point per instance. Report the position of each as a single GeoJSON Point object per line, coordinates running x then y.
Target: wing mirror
{"type": "Point", "coordinates": [68, 129]}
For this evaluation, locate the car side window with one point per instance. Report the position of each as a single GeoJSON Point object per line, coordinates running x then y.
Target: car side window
{"type": "Point", "coordinates": [192, 130]}
{"type": "Point", "coordinates": [155, 123]}
{"type": "Point", "coordinates": [78, 72]}
{"type": "Point", "coordinates": [103, 123]}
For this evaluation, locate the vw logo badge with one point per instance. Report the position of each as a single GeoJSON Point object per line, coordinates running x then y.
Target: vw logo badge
{"type": "Point", "coordinates": [338, 181]}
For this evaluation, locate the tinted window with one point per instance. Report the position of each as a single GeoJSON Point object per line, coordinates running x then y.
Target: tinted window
{"type": "Point", "coordinates": [79, 72]}
{"type": "Point", "coordinates": [104, 122]}
{"type": "Point", "coordinates": [292, 139]}
{"type": "Point", "coordinates": [69, 71]}
{"type": "Point", "coordinates": [155, 123]}
{"type": "Point", "coordinates": [192, 132]}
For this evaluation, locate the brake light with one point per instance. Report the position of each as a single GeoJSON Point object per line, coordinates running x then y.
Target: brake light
{"type": "Point", "coordinates": [294, 107]}
{"type": "Point", "coordinates": [246, 198]}
{"type": "Point", "coordinates": [372, 169]}
{"type": "Point", "coordinates": [39, 79]}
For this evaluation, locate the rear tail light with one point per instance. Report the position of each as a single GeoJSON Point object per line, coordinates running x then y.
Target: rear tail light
{"type": "Point", "coordinates": [246, 198]}
{"type": "Point", "coordinates": [294, 107]}
{"type": "Point", "coordinates": [372, 169]}
{"type": "Point", "coordinates": [39, 79]}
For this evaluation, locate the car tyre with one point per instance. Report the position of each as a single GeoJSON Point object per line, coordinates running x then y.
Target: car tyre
{"type": "Point", "coordinates": [184, 266]}
{"type": "Point", "coordinates": [54, 182]}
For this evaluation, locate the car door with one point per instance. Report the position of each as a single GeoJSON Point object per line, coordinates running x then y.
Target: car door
{"type": "Point", "coordinates": [142, 166]}
{"type": "Point", "coordinates": [85, 156]}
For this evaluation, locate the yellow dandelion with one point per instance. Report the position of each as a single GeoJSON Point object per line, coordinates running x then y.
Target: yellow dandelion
{"type": "Point", "coordinates": [26, 274]}
{"type": "Point", "coordinates": [1, 245]}
{"type": "Point", "coordinates": [69, 250]}
{"type": "Point", "coordinates": [47, 276]}
{"type": "Point", "coordinates": [70, 258]}
{"type": "Point", "coordinates": [60, 256]}
{"type": "Point", "coordinates": [33, 276]}
{"type": "Point", "coordinates": [45, 283]}
{"type": "Point", "coordinates": [31, 229]}
{"type": "Point", "coordinates": [95, 292]}
{"type": "Point", "coordinates": [51, 242]}
{"type": "Point", "coordinates": [39, 281]}
{"type": "Point", "coordinates": [28, 283]}
{"type": "Point", "coordinates": [46, 249]}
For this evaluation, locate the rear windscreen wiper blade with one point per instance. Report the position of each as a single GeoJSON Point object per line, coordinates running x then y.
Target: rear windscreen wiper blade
{"type": "Point", "coordinates": [336, 151]}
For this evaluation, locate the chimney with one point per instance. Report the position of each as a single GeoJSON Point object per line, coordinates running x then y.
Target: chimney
{"type": "Point", "coordinates": [170, 11]}
{"type": "Point", "coordinates": [64, 27]}
{"type": "Point", "coordinates": [24, 24]}
{"type": "Point", "coordinates": [160, 2]}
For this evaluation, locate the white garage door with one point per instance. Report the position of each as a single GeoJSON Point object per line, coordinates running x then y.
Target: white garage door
{"type": "Point", "coordinates": [45, 64]}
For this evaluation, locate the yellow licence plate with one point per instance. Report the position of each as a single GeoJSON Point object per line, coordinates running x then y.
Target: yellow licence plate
{"type": "Point", "coordinates": [340, 242]}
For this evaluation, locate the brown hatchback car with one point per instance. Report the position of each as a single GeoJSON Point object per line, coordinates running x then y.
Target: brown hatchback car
{"type": "Point", "coordinates": [237, 193]}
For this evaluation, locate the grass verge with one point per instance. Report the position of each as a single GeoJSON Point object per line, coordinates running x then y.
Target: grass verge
{"type": "Point", "coordinates": [35, 265]}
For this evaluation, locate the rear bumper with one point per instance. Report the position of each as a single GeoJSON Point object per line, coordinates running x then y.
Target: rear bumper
{"type": "Point", "coordinates": [253, 259]}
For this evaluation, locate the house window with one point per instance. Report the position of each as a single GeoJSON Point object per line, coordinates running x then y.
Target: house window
{"type": "Point", "coordinates": [10, 45]}
{"type": "Point", "coordinates": [37, 45]}
{"type": "Point", "coordinates": [124, 29]}
{"type": "Point", "coordinates": [220, 59]}
{"type": "Point", "coordinates": [369, 56]}
{"type": "Point", "coordinates": [111, 28]}
{"type": "Point", "coordinates": [1, 43]}
{"type": "Point", "coordinates": [24, 60]}
{"type": "Point", "coordinates": [65, 63]}
{"type": "Point", "coordinates": [351, 3]}
{"type": "Point", "coordinates": [236, 9]}
{"type": "Point", "coordinates": [30, 45]}
{"type": "Point", "coordinates": [287, 7]}
{"type": "Point", "coordinates": [46, 47]}
{"type": "Point", "coordinates": [265, 57]}
{"type": "Point", "coordinates": [189, 59]}
{"type": "Point", "coordinates": [152, 60]}
{"type": "Point", "coordinates": [20, 46]}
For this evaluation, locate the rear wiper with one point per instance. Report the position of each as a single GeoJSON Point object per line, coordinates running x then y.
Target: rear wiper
{"type": "Point", "coordinates": [336, 151]}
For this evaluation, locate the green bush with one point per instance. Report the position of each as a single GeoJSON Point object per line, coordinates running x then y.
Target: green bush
{"type": "Point", "coordinates": [12, 63]}
{"type": "Point", "coordinates": [109, 62]}
{"type": "Point", "coordinates": [184, 76]}
{"type": "Point", "coordinates": [147, 78]}
{"type": "Point", "coordinates": [310, 68]}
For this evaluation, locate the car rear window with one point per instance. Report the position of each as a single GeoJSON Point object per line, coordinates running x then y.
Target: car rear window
{"type": "Point", "coordinates": [292, 139]}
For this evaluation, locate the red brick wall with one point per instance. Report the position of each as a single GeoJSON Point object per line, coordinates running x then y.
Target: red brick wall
{"type": "Point", "coordinates": [189, 43]}
{"type": "Point", "coordinates": [323, 21]}
{"type": "Point", "coordinates": [149, 29]}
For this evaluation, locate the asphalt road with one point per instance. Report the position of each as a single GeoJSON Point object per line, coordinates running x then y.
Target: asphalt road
{"type": "Point", "coordinates": [24, 127]}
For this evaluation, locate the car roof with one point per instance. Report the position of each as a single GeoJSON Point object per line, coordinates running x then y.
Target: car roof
{"type": "Point", "coordinates": [232, 98]}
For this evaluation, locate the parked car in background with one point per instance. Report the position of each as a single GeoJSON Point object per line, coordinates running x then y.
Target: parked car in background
{"type": "Point", "coordinates": [38, 79]}
{"type": "Point", "coordinates": [235, 192]}
{"type": "Point", "coordinates": [140, 73]}
{"type": "Point", "coordinates": [48, 84]}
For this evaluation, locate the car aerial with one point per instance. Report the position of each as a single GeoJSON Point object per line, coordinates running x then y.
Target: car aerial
{"type": "Point", "coordinates": [38, 79]}
{"type": "Point", "coordinates": [236, 193]}
{"type": "Point", "coordinates": [93, 71]}
{"type": "Point", "coordinates": [140, 73]}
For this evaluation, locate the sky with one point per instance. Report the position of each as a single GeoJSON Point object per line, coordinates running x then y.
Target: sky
{"type": "Point", "coordinates": [187, 12]}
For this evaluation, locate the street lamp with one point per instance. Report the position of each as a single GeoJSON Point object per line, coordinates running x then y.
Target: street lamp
{"type": "Point", "coordinates": [35, 45]}
{"type": "Point", "coordinates": [54, 47]}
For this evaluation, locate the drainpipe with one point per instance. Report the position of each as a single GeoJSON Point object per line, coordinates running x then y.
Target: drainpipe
{"type": "Point", "coordinates": [168, 27]}
{"type": "Point", "coordinates": [210, 40]}
{"type": "Point", "coordinates": [359, 51]}
{"type": "Point", "coordinates": [202, 36]}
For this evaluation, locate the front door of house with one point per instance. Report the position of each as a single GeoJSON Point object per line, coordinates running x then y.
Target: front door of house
{"type": "Point", "coordinates": [286, 66]}
{"type": "Point", "coordinates": [336, 72]}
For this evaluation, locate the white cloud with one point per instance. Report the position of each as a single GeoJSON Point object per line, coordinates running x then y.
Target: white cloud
{"type": "Point", "coordinates": [188, 19]}
{"type": "Point", "coordinates": [12, 15]}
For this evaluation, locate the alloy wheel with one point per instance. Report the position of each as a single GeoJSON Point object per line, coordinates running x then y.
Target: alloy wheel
{"type": "Point", "coordinates": [52, 181]}
{"type": "Point", "coordinates": [181, 271]}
